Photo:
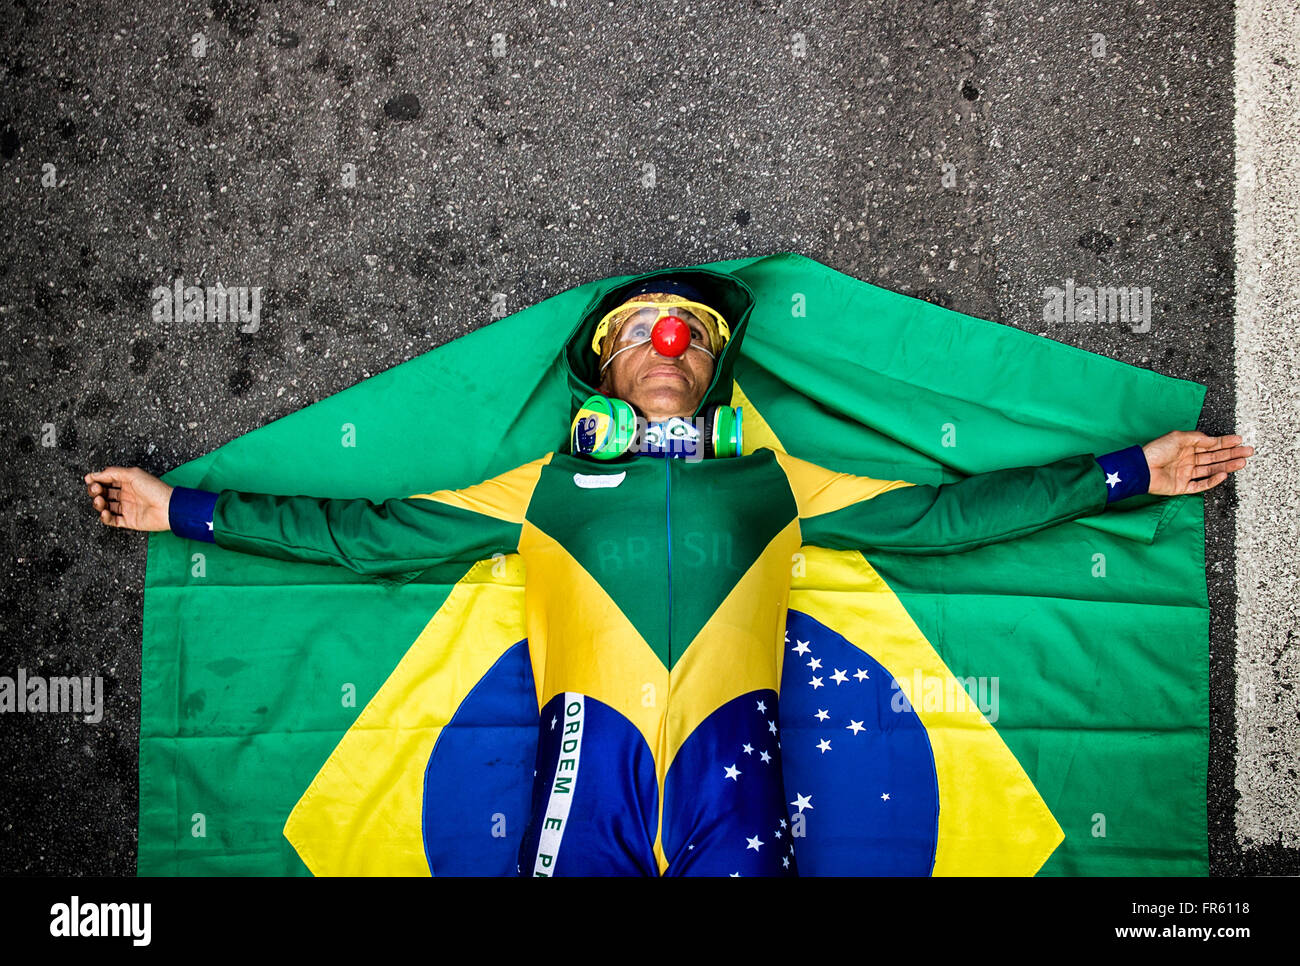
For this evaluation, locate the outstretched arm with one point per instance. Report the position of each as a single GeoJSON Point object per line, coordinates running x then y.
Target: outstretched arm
{"type": "Point", "coordinates": [845, 512]}
{"type": "Point", "coordinates": [402, 534]}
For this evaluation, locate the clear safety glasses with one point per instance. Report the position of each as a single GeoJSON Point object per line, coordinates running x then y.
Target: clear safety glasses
{"type": "Point", "coordinates": [633, 321]}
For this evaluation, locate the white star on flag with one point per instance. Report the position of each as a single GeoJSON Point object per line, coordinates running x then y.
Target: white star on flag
{"type": "Point", "coordinates": [824, 745]}
{"type": "Point", "coordinates": [765, 756]}
{"type": "Point", "coordinates": [731, 772]}
{"type": "Point", "coordinates": [839, 677]}
{"type": "Point", "coordinates": [761, 706]}
{"type": "Point", "coordinates": [861, 675]}
{"type": "Point", "coordinates": [747, 748]}
{"type": "Point", "coordinates": [814, 663]}
{"type": "Point", "coordinates": [816, 683]}
{"type": "Point", "coordinates": [821, 714]}
{"type": "Point", "coordinates": [802, 801]}
{"type": "Point", "coordinates": [754, 843]}
{"type": "Point", "coordinates": [801, 648]}
{"type": "Point", "coordinates": [771, 726]}
{"type": "Point", "coordinates": [884, 797]}
{"type": "Point", "coordinates": [855, 726]}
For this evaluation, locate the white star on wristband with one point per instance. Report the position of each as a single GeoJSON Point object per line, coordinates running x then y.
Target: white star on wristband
{"type": "Point", "coordinates": [1112, 479]}
{"type": "Point", "coordinates": [209, 524]}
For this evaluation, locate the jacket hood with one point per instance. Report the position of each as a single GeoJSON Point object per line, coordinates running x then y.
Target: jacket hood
{"type": "Point", "coordinates": [726, 293]}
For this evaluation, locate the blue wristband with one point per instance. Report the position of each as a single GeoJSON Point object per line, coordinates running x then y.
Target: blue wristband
{"type": "Point", "coordinates": [1127, 473]}
{"type": "Point", "coordinates": [190, 513]}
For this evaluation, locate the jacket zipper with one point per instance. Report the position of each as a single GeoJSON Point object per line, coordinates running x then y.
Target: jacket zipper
{"type": "Point", "coordinates": [668, 516]}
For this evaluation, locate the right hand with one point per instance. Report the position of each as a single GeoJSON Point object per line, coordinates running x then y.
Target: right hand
{"type": "Point", "coordinates": [128, 497]}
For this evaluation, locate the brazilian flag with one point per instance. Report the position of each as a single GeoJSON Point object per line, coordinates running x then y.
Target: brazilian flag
{"type": "Point", "coordinates": [1037, 706]}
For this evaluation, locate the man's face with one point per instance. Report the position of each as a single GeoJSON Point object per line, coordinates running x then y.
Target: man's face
{"type": "Point", "coordinates": [660, 386]}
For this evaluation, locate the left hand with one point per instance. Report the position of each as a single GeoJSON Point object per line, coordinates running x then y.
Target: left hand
{"type": "Point", "coordinates": [1192, 462]}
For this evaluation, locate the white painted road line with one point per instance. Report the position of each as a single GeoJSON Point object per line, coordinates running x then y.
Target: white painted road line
{"type": "Point", "coordinates": [1267, 127]}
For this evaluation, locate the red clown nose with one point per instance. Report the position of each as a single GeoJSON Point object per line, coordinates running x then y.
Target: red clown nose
{"type": "Point", "coordinates": [670, 336]}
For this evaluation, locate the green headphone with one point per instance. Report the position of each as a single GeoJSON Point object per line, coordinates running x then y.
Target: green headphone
{"type": "Point", "coordinates": [606, 428]}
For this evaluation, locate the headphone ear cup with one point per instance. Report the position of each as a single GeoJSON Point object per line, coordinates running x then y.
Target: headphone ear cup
{"type": "Point", "coordinates": [706, 432]}
{"type": "Point", "coordinates": [604, 429]}
{"type": "Point", "coordinates": [721, 433]}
